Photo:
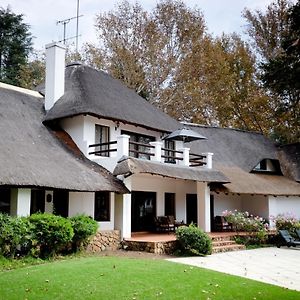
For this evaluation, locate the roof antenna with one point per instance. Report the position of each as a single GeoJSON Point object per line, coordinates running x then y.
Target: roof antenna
{"type": "Point", "coordinates": [65, 22]}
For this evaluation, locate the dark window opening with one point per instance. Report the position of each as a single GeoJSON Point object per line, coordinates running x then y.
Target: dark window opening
{"type": "Point", "coordinates": [170, 204]}
{"type": "Point", "coordinates": [5, 201]}
{"type": "Point", "coordinates": [37, 203]}
{"type": "Point", "coordinates": [102, 206]}
{"type": "Point", "coordinates": [61, 203]}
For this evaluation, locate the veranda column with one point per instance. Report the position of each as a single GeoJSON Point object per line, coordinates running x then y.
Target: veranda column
{"type": "Point", "coordinates": [122, 213]}
{"type": "Point", "coordinates": [20, 202]}
{"type": "Point", "coordinates": [203, 205]}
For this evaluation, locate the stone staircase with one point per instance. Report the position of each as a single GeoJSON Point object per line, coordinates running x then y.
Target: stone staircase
{"type": "Point", "coordinates": [225, 243]}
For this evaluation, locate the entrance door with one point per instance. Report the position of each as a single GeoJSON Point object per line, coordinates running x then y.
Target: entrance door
{"type": "Point", "coordinates": [61, 203]}
{"type": "Point", "coordinates": [191, 208]}
{"type": "Point", "coordinates": [37, 203]}
{"type": "Point", "coordinates": [143, 210]}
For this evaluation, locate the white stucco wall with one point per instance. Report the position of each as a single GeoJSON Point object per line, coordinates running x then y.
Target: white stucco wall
{"type": "Point", "coordinates": [81, 203]}
{"type": "Point", "coordinates": [20, 202]}
{"type": "Point", "coordinates": [284, 204]}
{"type": "Point", "coordinates": [257, 205]}
{"type": "Point", "coordinates": [223, 202]}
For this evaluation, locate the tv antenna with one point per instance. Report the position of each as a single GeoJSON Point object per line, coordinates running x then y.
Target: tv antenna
{"type": "Point", "coordinates": [65, 22]}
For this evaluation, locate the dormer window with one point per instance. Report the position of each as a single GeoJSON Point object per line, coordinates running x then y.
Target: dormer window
{"type": "Point", "coordinates": [102, 138]}
{"type": "Point", "coordinates": [268, 166]}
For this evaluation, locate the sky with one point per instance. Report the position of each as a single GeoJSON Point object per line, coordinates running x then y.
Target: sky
{"type": "Point", "coordinates": [42, 16]}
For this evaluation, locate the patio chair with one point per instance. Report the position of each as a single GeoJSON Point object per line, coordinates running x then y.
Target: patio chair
{"type": "Point", "coordinates": [287, 239]}
{"type": "Point", "coordinates": [221, 224]}
{"type": "Point", "coordinates": [162, 223]}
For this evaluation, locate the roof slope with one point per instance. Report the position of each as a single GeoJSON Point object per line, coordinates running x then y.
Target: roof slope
{"type": "Point", "coordinates": [236, 153]}
{"type": "Point", "coordinates": [234, 148]}
{"type": "Point", "coordinates": [289, 156]}
{"type": "Point", "coordinates": [31, 155]}
{"type": "Point", "coordinates": [242, 182]}
{"type": "Point", "coordinates": [88, 91]}
{"type": "Point", "coordinates": [129, 166]}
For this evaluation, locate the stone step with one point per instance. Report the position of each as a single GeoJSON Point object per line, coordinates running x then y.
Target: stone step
{"type": "Point", "coordinates": [223, 243]}
{"type": "Point", "coordinates": [234, 247]}
{"type": "Point", "coordinates": [222, 238]}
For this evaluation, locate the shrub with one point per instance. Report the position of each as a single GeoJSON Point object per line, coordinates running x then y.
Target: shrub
{"type": "Point", "coordinates": [84, 227]}
{"type": "Point", "coordinates": [193, 240]}
{"type": "Point", "coordinates": [286, 221]}
{"type": "Point", "coordinates": [242, 221]}
{"type": "Point", "coordinates": [51, 234]}
{"type": "Point", "coordinates": [14, 235]}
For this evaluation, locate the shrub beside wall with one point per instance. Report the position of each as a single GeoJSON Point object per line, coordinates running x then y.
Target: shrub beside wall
{"type": "Point", "coordinates": [43, 235]}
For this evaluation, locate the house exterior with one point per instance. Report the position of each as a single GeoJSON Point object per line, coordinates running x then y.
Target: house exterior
{"type": "Point", "coordinates": [98, 148]}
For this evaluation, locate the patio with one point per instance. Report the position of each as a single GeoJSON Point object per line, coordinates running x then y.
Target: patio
{"type": "Point", "coordinates": [270, 265]}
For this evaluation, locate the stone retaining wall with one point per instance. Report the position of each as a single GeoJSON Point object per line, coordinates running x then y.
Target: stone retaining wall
{"type": "Point", "coordinates": [152, 247]}
{"type": "Point", "coordinates": [105, 240]}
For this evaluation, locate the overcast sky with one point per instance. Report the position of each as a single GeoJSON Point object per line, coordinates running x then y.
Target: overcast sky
{"type": "Point", "coordinates": [42, 16]}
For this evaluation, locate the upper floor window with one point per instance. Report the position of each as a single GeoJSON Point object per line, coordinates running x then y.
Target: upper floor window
{"type": "Point", "coordinates": [138, 144]}
{"type": "Point", "coordinates": [170, 152]}
{"type": "Point", "coordinates": [102, 138]}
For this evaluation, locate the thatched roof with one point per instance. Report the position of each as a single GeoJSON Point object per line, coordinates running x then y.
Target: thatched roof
{"type": "Point", "coordinates": [88, 91]}
{"type": "Point", "coordinates": [32, 156]}
{"type": "Point", "coordinates": [289, 156]}
{"type": "Point", "coordinates": [237, 152]}
{"type": "Point", "coordinates": [234, 148]}
{"type": "Point", "coordinates": [242, 182]}
{"type": "Point", "coordinates": [128, 166]}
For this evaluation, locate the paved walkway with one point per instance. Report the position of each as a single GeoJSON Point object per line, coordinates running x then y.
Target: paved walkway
{"type": "Point", "coordinates": [270, 265]}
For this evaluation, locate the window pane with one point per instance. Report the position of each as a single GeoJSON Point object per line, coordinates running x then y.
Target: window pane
{"type": "Point", "coordinates": [102, 206]}
{"type": "Point", "coordinates": [4, 200]}
{"type": "Point", "coordinates": [102, 136]}
{"type": "Point", "coordinates": [170, 154]}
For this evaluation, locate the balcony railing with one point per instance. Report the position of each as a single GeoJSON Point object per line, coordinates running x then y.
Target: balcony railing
{"type": "Point", "coordinates": [153, 151]}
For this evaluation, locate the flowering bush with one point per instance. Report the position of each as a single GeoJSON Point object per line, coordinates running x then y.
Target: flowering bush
{"type": "Point", "coordinates": [243, 221]}
{"type": "Point", "coordinates": [287, 221]}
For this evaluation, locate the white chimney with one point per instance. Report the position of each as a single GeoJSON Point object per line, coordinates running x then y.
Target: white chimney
{"type": "Point", "coordinates": [55, 73]}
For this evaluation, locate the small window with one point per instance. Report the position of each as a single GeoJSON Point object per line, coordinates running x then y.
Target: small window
{"type": "Point", "coordinates": [170, 204]}
{"type": "Point", "coordinates": [169, 154]}
{"type": "Point", "coordinates": [102, 138]}
{"type": "Point", "coordinates": [102, 206]}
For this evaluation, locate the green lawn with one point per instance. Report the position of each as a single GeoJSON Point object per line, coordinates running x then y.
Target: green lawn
{"type": "Point", "coordinates": [129, 278]}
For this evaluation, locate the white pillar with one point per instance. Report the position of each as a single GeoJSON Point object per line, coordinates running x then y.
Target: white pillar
{"type": "Point", "coordinates": [185, 156]}
{"type": "Point", "coordinates": [208, 160]}
{"type": "Point", "coordinates": [203, 199]}
{"type": "Point", "coordinates": [20, 202]}
{"type": "Point", "coordinates": [55, 73]}
{"type": "Point", "coordinates": [123, 211]}
{"type": "Point", "coordinates": [156, 151]}
{"type": "Point", "coordinates": [122, 145]}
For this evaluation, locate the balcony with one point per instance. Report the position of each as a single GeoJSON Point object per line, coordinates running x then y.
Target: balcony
{"type": "Point", "coordinates": [152, 151]}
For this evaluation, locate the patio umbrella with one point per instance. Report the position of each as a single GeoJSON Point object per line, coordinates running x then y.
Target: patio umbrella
{"type": "Point", "coordinates": [185, 134]}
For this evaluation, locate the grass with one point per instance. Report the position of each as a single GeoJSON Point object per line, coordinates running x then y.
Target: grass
{"type": "Point", "coordinates": [129, 278]}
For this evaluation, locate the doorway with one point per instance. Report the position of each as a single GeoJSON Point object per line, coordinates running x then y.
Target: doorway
{"type": "Point", "coordinates": [61, 203]}
{"type": "Point", "coordinates": [143, 210]}
{"type": "Point", "coordinates": [191, 209]}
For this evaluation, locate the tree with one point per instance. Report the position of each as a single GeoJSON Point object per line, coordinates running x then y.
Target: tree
{"type": "Point", "coordinates": [15, 46]}
{"type": "Point", "coordinates": [277, 40]}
